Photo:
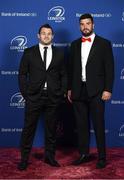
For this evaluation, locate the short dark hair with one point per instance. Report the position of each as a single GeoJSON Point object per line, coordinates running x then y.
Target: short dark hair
{"type": "Point", "coordinates": [45, 26]}
{"type": "Point", "coordinates": [85, 16]}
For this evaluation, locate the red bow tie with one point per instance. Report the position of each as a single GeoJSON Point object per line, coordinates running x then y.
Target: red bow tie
{"type": "Point", "coordinates": [85, 39]}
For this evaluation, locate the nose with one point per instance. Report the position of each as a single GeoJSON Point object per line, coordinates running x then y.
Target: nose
{"type": "Point", "coordinates": [85, 26]}
{"type": "Point", "coordinates": [46, 36]}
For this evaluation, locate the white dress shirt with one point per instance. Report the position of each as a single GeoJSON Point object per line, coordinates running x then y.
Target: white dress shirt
{"type": "Point", "coordinates": [85, 50]}
{"type": "Point", "coordinates": [48, 57]}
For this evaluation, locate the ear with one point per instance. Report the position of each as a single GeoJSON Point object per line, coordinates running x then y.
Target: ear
{"type": "Point", "coordinates": [52, 36]}
{"type": "Point", "coordinates": [93, 26]}
{"type": "Point", "coordinates": [38, 36]}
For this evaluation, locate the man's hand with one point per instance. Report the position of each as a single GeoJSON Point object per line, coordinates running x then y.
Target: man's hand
{"type": "Point", "coordinates": [106, 95]}
{"type": "Point", "coordinates": [69, 96]}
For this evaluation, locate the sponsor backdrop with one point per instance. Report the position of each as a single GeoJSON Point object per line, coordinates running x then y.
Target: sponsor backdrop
{"type": "Point", "coordinates": [20, 21]}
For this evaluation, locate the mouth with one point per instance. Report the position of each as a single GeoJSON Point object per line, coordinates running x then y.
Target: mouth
{"type": "Point", "coordinates": [86, 30]}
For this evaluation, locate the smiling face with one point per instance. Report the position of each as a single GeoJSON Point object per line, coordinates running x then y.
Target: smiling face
{"type": "Point", "coordinates": [45, 36]}
{"type": "Point", "coordinates": [86, 27]}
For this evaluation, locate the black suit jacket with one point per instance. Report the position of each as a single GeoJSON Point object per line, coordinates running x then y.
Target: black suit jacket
{"type": "Point", "coordinates": [33, 75]}
{"type": "Point", "coordinates": [99, 68]}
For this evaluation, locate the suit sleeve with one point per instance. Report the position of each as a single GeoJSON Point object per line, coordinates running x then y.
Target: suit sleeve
{"type": "Point", "coordinates": [109, 68]}
{"type": "Point", "coordinates": [70, 66]}
{"type": "Point", "coordinates": [63, 74]}
{"type": "Point", "coordinates": [23, 74]}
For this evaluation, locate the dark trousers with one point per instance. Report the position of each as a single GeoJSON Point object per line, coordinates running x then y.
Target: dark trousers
{"type": "Point", "coordinates": [83, 108]}
{"type": "Point", "coordinates": [32, 113]}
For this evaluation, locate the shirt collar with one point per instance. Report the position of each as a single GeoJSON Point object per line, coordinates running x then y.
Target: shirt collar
{"type": "Point", "coordinates": [42, 46]}
{"type": "Point", "coordinates": [92, 36]}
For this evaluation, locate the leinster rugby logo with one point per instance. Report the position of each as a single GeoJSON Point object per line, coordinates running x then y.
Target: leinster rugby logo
{"type": "Point", "coordinates": [18, 43]}
{"type": "Point", "coordinates": [17, 100]}
{"type": "Point", "coordinates": [56, 14]}
{"type": "Point", "coordinates": [121, 131]}
{"type": "Point", "coordinates": [123, 16]}
{"type": "Point", "coordinates": [122, 74]}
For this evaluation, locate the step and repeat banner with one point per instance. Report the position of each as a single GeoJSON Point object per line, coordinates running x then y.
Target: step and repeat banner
{"type": "Point", "coordinates": [19, 24]}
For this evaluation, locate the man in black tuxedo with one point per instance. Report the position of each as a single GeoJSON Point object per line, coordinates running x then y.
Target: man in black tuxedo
{"type": "Point", "coordinates": [43, 83]}
{"type": "Point", "coordinates": [91, 74]}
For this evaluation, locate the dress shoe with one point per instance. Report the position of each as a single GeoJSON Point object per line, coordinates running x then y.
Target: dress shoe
{"type": "Point", "coordinates": [22, 165]}
{"type": "Point", "coordinates": [51, 161]}
{"type": "Point", "coordinates": [82, 159]}
{"type": "Point", "coordinates": [101, 164]}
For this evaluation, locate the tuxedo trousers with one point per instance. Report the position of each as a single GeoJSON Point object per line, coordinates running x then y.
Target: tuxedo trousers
{"type": "Point", "coordinates": [33, 110]}
{"type": "Point", "coordinates": [86, 108]}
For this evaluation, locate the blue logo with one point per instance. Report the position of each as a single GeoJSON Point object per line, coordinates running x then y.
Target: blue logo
{"type": "Point", "coordinates": [121, 131]}
{"type": "Point", "coordinates": [19, 43]}
{"type": "Point", "coordinates": [56, 14]}
{"type": "Point", "coordinates": [122, 74]}
{"type": "Point", "coordinates": [123, 16]}
{"type": "Point", "coordinates": [17, 100]}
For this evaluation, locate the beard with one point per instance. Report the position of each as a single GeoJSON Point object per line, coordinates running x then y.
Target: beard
{"type": "Point", "coordinates": [87, 32]}
{"type": "Point", "coordinates": [46, 43]}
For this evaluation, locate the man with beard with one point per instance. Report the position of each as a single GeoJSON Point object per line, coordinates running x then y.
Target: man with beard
{"type": "Point", "coordinates": [42, 82]}
{"type": "Point", "coordinates": [91, 74]}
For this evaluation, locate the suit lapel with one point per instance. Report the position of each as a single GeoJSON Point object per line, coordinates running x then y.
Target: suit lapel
{"type": "Point", "coordinates": [79, 52]}
{"type": "Point", "coordinates": [53, 57]}
{"type": "Point", "coordinates": [38, 56]}
{"type": "Point", "coordinates": [93, 48]}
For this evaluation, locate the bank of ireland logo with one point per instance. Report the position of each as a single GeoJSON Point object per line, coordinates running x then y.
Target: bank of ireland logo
{"type": "Point", "coordinates": [17, 100]}
{"type": "Point", "coordinates": [122, 74]}
{"type": "Point", "coordinates": [18, 43]}
{"type": "Point", "coordinates": [56, 14]}
{"type": "Point", "coordinates": [121, 131]}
